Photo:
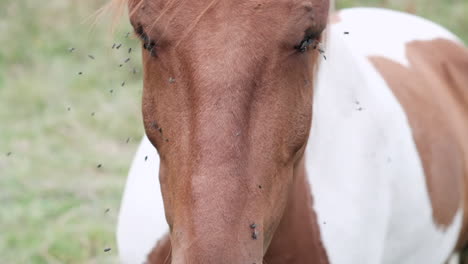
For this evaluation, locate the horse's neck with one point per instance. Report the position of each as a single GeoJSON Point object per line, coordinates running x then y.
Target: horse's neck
{"type": "Point", "coordinates": [297, 238]}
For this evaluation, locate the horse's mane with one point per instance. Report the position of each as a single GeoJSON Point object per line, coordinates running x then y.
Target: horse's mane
{"type": "Point", "coordinates": [117, 7]}
{"type": "Point", "coordinates": [118, 3]}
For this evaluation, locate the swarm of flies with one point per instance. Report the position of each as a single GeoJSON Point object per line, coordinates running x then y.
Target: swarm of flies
{"type": "Point", "coordinates": [115, 46]}
{"type": "Point", "coordinates": [93, 57]}
{"type": "Point", "coordinates": [128, 51]}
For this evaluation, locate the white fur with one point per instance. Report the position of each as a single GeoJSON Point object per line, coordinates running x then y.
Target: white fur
{"type": "Point", "coordinates": [366, 176]}
{"type": "Point", "coordinates": [385, 32]}
{"type": "Point", "coordinates": [365, 172]}
{"type": "Point", "coordinates": [141, 221]}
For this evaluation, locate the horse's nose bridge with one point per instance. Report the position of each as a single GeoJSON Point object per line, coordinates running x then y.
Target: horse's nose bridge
{"type": "Point", "coordinates": [217, 226]}
{"type": "Point", "coordinates": [217, 249]}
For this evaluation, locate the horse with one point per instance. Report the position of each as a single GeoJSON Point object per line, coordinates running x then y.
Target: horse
{"type": "Point", "coordinates": [283, 132]}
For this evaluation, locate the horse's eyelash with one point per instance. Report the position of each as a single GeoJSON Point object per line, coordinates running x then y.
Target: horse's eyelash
{"type": "Point", "coordinates": [148, 43]}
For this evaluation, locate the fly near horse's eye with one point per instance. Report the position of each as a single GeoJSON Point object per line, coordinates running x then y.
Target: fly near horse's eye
{"type": "Point", "coordinates": [309, 39]}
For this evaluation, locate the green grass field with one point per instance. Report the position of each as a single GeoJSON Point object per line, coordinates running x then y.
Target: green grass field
{"type": "Point", "coordinates": [57, 126]}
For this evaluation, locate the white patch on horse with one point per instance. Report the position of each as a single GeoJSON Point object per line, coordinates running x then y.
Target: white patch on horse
{"type": "Point", "coordinates": [374, 30]}
{"type": "Point", "coordinates": [141, 221]}
{"type": "Point", "coordinates": [365, 172]}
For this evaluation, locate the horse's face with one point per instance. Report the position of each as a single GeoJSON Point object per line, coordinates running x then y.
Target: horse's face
{"type": "Point", "coordinates": [227, 103]}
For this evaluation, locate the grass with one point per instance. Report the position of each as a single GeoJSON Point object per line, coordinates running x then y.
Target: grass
{"type": "Point", "coordinates": [57, 126]}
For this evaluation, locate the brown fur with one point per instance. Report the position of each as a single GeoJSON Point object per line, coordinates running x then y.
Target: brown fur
{"type": "Point", "coordinates": [434, 95]}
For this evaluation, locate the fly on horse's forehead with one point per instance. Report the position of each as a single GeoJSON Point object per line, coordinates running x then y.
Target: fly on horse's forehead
{"type": "Point", "coordinates": [254, 235]}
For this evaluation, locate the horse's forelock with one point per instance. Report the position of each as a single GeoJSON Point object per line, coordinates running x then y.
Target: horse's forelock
{"type": "Point", "coordinates": [117, 7]}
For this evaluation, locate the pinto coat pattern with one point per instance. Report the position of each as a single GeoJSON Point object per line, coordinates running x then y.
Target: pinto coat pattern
{"type": "Point", "coordinates": [383, 178]}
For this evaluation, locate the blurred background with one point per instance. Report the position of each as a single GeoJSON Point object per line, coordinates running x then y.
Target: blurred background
{"type": "Point", "coordinates": [70, 123]}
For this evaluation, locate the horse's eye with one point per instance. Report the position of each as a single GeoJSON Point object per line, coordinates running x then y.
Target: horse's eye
{"type": "Point", "coordinates": [148, 43]}
{"type": "Point", "coordinates": [309, 40]}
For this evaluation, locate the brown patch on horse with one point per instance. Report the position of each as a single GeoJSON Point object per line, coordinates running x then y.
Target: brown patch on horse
{"type": "Point", "coordinates": [297, 239]}
{"type": "Point", "coordinates": [161, 253]}
{"type": "Point", "coordinates": [433, 91]}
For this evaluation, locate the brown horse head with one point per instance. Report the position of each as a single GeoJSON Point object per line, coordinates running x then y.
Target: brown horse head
{"type": "Point", "coordinates": [227, 103]}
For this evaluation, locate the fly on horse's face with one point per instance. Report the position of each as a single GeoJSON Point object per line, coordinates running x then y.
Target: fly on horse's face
{"type": "Point", "coordinates": [227, 103]}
